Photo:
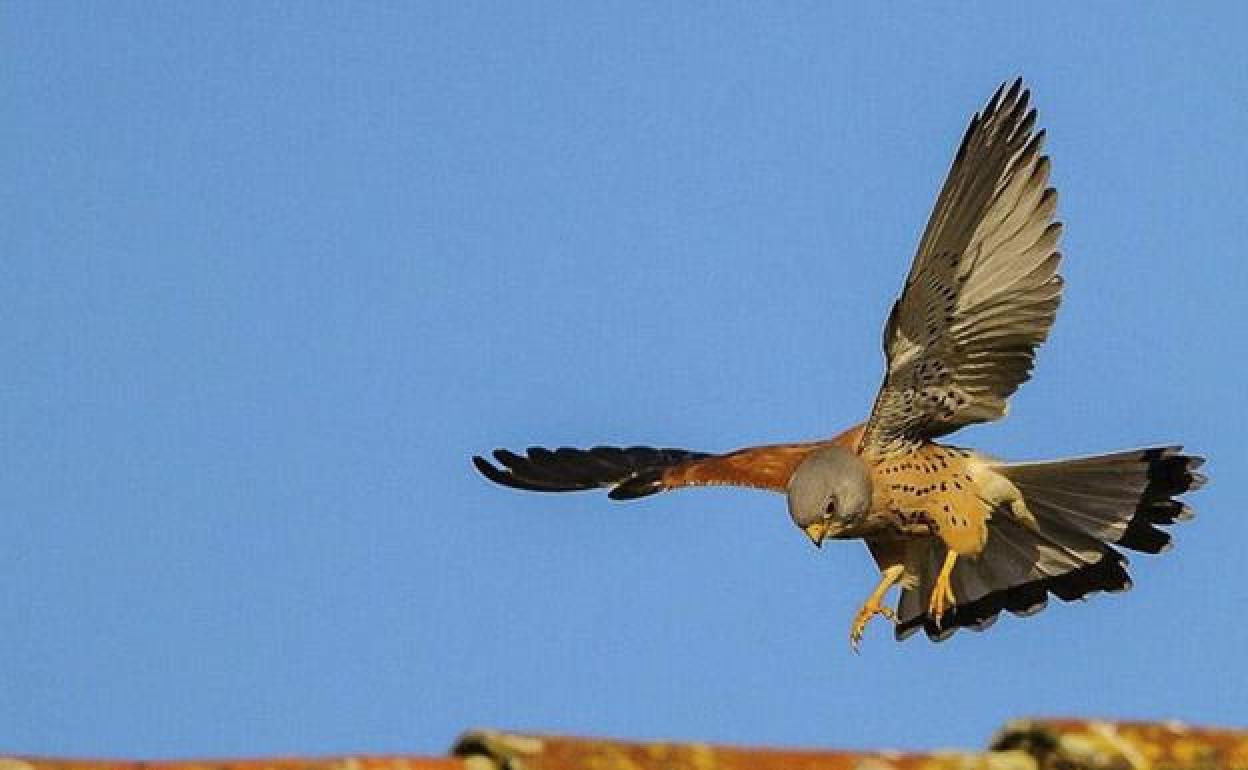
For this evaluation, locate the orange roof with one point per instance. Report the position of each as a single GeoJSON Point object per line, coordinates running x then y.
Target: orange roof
{"type": "Point", "coordinates": [281, 763]}
{"type": "Point", "coordinates": [537, 752]}
{"type": "Point", "coordinates": [1055, 744]}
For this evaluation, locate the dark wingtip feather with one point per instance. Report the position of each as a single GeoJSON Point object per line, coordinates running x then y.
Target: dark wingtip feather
{"type": "Point", "coordinates": [630, 473]}
{"type": "Point", "coordinates": [513, 475]}
{"type": "Point", "coordinates": [487, 469]}
{"type": "Point", "coordinates": [641, 485]}
{"type": "Point", "coordinates": [995, 100]}
{"type": "Point", "coordinates": [484, 467]}
{"type": "Point", "coordinates": [1170, 474]}
{"type": "Point", "coordinates": [1019, 91]}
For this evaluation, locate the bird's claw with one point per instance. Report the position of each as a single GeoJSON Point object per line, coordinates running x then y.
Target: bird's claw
{"type": "Point", "coordinates": [865, 613]}
{"type": "Point", "coordinates": [942, 600]}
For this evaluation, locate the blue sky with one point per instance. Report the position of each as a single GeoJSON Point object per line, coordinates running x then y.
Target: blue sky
{"type": "Point", "coordinates": [272, 272]}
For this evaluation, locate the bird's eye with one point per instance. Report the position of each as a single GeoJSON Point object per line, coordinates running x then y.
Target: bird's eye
{"type": "Point", "coordinates": [831, 509]}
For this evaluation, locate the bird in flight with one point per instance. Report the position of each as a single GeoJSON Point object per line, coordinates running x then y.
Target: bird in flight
{"type": "Point", "coordinates": [963, 534]}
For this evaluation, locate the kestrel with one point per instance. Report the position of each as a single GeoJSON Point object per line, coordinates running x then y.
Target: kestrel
{"type": "Point", "coordinates": [963, 534]}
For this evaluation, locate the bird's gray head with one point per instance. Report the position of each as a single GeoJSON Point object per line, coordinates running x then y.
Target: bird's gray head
{"type": "Point", "coordinates": [829, 493]}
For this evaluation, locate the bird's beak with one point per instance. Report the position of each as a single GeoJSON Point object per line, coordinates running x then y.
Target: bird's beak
{"type": "Point", "coordinates": [817, 532]}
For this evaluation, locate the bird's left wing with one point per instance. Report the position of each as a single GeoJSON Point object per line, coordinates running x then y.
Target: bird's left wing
{"type": "Point", "coordinates": [641, 471]}
{"type": "Point", "coordinates": [983, 290]}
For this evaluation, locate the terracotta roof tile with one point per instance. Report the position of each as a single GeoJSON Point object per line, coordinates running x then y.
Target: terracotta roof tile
{"type": "Point", "coordinates": [1043, 744]}
{"type": "Point", "coordinates": [489, 749]}
{"type": "Point", "coordinates": [325, 763]}
{"type": "Point", "coordinates": [1022, 745]}
{"type": "Point", "coordinates": [1099, 744]}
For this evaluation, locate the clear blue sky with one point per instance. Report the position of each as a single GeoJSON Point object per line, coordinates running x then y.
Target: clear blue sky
{"type": "Point", "coordinates": [272, 272]}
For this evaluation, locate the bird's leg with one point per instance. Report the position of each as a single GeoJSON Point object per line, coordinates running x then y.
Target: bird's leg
{"type": "Point", "coordinates": [942, 598]}
{"type": "Point", "coordinates": [872, 606]}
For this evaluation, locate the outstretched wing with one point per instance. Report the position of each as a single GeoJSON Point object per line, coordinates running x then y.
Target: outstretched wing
{"type": "Point", "coordinates": [983, 290]}
{"type": "Point", "coordinates": [641, 471]}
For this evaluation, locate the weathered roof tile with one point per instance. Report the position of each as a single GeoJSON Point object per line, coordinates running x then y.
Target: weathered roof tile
{"type": "Point", "coordinates": [1045, 744]}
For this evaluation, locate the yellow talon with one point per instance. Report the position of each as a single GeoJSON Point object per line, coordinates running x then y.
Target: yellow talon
{"type": "Point", "coordinates": [873, 605]}
{"type": "Point", "coordinates": [942, 599]}
{"type": "Point", "coordinates": [870, 609]}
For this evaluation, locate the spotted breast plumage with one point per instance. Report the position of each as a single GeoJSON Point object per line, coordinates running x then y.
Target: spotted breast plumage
{"type": "Point", "coordinates": [964, 535]}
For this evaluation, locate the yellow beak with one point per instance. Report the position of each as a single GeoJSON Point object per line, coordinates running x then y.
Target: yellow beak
{"type": "Point", "coordinates": [817, 532]}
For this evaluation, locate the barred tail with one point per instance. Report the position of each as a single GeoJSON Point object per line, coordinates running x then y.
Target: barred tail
{"type": "Point", "coordinates": [628, 473]}
{"type": "Point", "coordinates": [1083, 507]}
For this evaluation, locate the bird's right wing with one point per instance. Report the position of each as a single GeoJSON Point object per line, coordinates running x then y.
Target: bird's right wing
{"type": "Point", "coordinates": [641, 471]}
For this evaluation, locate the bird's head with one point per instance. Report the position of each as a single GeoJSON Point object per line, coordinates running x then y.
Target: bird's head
{"type": "Point", "coordinates": [829, 493]}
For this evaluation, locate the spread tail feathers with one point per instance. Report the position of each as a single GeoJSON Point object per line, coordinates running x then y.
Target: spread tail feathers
{"type": "Point", "coordinates": [1082, 507]}
{"type": "Point", "coordinates": [628, 473]}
